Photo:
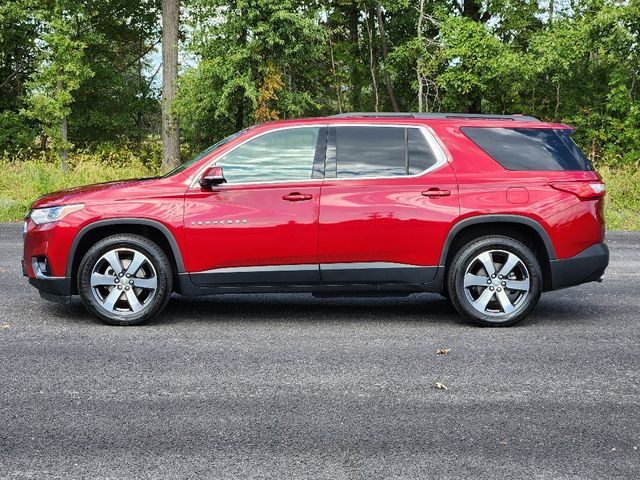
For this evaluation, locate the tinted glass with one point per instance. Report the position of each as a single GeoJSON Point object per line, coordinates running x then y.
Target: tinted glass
{"type": "Point", "coordinates": [283, 155]}
{"type": "Point", "coordinates": [529, 148]}
{"type": "Point", "coordinates": [421, 156]}
{"type": "Point", "coordinates": [370, 152]}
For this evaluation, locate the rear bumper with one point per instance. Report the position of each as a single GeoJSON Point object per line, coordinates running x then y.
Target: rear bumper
{"type": "Point", "coordinates": [588, 266]}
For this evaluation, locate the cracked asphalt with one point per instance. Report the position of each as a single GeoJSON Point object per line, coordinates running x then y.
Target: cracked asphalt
{"type": "Point", "coordinates": [289, 386]}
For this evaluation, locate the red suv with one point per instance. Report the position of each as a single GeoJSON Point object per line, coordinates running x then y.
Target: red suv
{"type": "Point", "coordinates": [486, 210]}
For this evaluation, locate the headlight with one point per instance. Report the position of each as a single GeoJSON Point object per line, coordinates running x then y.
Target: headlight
{"type": "Point", "coordinates": [53, 214]}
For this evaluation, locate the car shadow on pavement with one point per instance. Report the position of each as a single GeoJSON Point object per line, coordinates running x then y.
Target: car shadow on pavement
{"type": "Point", "coordinates": [286, 308]}
{"type": "Point", "coordinates": [283, 308]}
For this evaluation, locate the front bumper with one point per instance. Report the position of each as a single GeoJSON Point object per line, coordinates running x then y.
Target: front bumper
{"type": "Point", "coordinates": [54, 289]}
{"type": "Point", "coordinates": [588, 266]}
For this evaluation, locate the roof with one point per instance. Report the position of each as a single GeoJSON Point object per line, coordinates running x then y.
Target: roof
{"type": "Point", "coordinates": [436, 116]}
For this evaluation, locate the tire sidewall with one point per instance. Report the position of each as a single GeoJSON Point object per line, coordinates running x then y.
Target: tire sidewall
{"type": "Point", "coordinates": [157, 258]}
{"type": "Point", "coordinates": [461, 262]}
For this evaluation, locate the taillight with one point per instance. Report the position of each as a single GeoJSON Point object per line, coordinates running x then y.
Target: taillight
{"type": "Point", "coordinates": [582, 190]}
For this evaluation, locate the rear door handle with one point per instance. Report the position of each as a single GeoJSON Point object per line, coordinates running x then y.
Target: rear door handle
{"type": "Point", "coordinates": [436, 192]}
{"type": "Point", "coordinates": [297, 197]}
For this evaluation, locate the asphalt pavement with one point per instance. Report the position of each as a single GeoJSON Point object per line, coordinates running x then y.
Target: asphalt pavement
{"type": "Point", "coordinates": [289, 386]}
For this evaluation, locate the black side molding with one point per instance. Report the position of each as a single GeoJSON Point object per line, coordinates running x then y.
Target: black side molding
{"type": "Point", "coordinates": [126, 221]}
{"type": "Point", "coordinates": [551, 253]}
{"type": "Point", "coordinates": [588, 266]}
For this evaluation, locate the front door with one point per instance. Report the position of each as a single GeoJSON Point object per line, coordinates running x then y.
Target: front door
{"type": "Point", "coordinates": [261, 227]}
{"type": "Point", "coordinates": [387, 203]}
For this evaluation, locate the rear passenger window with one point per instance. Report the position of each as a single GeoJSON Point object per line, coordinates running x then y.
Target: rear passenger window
{"type": "Point", "coordinates": [529, 148]}
{"type": "Point", "coordinates": [381, 151]}
{"type": "Point", "coordinates": [421, 156]}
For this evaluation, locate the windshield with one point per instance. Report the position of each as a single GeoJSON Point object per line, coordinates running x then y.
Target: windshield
{"type": "Point", "coordinates": [204, 153]}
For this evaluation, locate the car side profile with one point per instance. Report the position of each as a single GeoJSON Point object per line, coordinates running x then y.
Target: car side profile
{"type": "Point", "coordinates": [487, 210]}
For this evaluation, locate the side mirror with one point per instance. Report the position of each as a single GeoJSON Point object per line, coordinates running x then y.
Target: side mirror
{"type": "Point", "coordinates": [212, 176]}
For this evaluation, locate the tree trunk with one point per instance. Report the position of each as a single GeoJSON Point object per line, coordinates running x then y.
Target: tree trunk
{"type": "Point", "coordinates": [64, 135]}
{"type": "Point", "coordinates": [240, 111]}
{"type": "Point", "coordinates": [373, 64]}
{"type": "Point", "coordinates": [335, 76]}
{"type": "Point", "coordinates": [356, 85]}
{"type": "Point", "coordinates": [419, 60]}
{"type": "Point", "coordinates": [385, 55]}
{"type": "Point", "coordinates": [170, 129]}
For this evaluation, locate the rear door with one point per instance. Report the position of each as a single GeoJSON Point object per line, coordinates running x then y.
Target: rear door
{"type": "Point", "coordinates": [387, 202]}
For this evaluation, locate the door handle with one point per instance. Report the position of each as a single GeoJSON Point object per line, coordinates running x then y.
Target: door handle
{"type": "Point", "coordinates": [297, 197]}
{"type": "Point", "coordinates": [436, 192]}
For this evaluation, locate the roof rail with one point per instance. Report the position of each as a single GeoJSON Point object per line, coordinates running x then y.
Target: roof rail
{"type": "Point", "coordinates": [436, 116]}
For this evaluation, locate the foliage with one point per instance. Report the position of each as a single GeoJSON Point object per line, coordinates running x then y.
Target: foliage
{"type": "Point", "coordinates": [30, 175]}
{"type": "Point", "coordinates": [93, 65]}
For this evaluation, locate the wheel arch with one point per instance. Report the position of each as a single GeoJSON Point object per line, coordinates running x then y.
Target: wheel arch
{"type": "Point", "coordinates": [521, 228]}
{"type": "Point", "coordinates": [95, 231]}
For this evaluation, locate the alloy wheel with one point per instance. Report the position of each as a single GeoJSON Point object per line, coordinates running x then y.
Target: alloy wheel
{"type": "Point", "coordinates": [123, 281]}
{"type": "Point", "coordinates": [497, 283]}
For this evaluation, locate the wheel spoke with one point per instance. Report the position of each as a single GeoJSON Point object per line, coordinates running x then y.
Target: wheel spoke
{"type": "Point", "coordinates": [149, 283]}
{"type": "Point", "coordinates": [136, 263]}
{"type": "Point", "coordinates": [134, 303]}
{"type": "Point", "coordinates": [111, 299]}
{"type": "Point", "coordinates": [98, 279]}
{"type": "Point", "coordinates": [114, 260]}
{"type": "Point", "coordinates": [522, 285]}
{"type": "Point", "coordinates": [509, 265]}
{"type": "Point", "coordinates": [487, 261]}
{"type": "Point", "coordinates": [505, 303]}
{"type": "Point", "coordinates": [471, 280]}
{"type": "Point", "coordinates": [481, 302]}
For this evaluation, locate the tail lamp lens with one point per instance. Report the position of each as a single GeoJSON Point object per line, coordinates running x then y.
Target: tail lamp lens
{"type": "Point", "coordinates": [582, 190]}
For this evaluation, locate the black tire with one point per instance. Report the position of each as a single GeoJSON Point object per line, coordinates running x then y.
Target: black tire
{"type": "Point", "coordinates": [155, 268]}
{"type": "Point", "coordinates": [496, 311]}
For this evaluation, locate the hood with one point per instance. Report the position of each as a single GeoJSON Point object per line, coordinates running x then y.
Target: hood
{"type": "Point", "coordinates": [84, 194]}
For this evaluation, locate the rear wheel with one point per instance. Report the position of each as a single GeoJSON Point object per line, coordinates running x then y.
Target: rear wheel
{"type": "Point", "coordinates": [495, 281]}
{"type": "Point", "coordinates": [125, 279]}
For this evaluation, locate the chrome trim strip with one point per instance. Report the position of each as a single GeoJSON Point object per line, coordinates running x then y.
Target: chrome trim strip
{"type": "Point", "coordinates": [366, 265]}
{"type": "Point", "coordinates": [303, 267]}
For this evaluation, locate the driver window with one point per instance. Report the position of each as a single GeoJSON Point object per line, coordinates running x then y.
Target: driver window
{"type": "Point", "coordinates": [281, 155]}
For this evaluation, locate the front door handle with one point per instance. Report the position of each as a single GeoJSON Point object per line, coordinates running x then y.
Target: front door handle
{"type": "Point", "coordinates": [436, 192]}
{"type": "Point", "coordinates": [297, 197]}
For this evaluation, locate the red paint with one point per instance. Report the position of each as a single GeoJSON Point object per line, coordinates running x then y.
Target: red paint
{"type": "Point", "coordinates": [403, 219]}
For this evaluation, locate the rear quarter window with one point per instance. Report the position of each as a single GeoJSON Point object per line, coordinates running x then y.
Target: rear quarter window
{"type": "Point", "coordinates": [529, 148]}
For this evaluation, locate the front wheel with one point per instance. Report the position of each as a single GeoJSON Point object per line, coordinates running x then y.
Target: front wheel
{"type": "Point", "coordinates": [495, 281]}
{"type": "Point", "coordinates": [125, 279]}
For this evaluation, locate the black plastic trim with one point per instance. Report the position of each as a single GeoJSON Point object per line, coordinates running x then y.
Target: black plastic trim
{"type": "Point", "coordinates": [54, 285]}
{"type": "Point", "coordinates": [126, 221]}
{"type": "Point", "coordinates": [588, 266]}
{"type": "Point", "coordinates": [481, 219]}
{"type": "Point", "coordinates": [319, 159]}
{"type": "Point", "coordinates": [396, 274]}
{"type": "Point", "coordinates": [188, 288]}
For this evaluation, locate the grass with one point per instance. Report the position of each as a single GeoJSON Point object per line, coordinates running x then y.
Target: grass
{"type": "Point", "coordinates": [622, 203]}
{"type": "Point", "coordinates": [24, 180]}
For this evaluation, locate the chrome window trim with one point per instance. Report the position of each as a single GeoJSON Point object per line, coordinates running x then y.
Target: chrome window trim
{"type": "Point", "coordinates": [430, 136]}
